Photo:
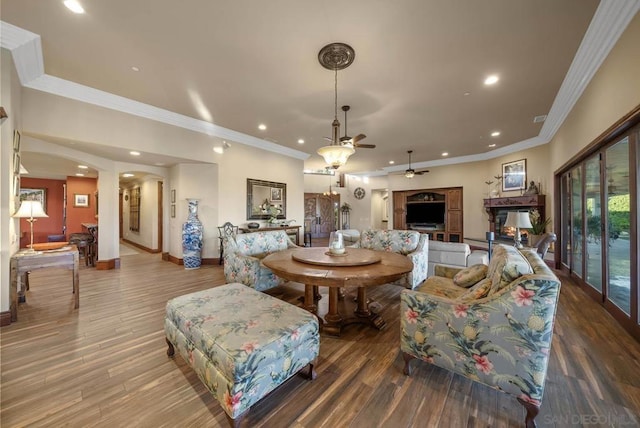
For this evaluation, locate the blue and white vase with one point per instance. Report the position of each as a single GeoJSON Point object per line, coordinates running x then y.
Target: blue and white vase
{"type": "Point", "coordinates": [192, 238]}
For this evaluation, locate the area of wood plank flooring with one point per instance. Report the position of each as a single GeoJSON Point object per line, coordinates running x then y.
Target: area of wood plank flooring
{"type": "Point", "coordinates": [105, 364]}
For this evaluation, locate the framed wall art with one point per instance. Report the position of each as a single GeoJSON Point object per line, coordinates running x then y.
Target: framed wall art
{"type": "Point", "coordinates": [16, 140]}
{"type": "Point", "coordinates": [34, 194]}
{"type": "Point", "coordinates": [514, 175]}
{"type": "Point", "coordinates": [276, 194]}
{"type": "Point", "coordinates": [81, 200]}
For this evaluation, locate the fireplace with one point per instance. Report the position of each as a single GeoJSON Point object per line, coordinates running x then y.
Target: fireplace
{"type": "Point", "coordinates": [498, 208]}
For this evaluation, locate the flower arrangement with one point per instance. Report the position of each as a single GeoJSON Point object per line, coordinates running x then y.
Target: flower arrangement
{"type": "Point", "coordinates": [274, 212]}
{"type": "Point", "coordinates": [538, 224]}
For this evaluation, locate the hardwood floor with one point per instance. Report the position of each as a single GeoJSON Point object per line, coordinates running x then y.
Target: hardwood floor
{"type": "Point", "coordinates": [105, 364]}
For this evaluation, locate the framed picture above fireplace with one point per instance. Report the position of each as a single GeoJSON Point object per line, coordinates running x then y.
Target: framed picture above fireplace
{"type": "Point", "coordinates": [514, 175]}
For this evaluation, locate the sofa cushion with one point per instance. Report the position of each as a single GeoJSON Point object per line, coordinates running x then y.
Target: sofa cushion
{"type": "Point", "coordinates": [470, 276]}
{"type": "Point", "coordinates": [507, 264]}
{"type": "Point", "coordinates": [449, 253]}
{"type": "Point", "coordinates": [440, 286]}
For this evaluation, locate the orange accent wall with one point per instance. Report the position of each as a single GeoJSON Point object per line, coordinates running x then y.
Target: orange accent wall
{"type": "Point", "coordinates": [53, 224]}
{"type": "Point", "coordinates": [78, 215]}
{"type": "Point", "coordinates": [54, 202]}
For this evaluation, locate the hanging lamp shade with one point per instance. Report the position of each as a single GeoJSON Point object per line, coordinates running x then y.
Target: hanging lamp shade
{"type": "Point", "coordinates": [336, 56]}
{"type": "Point", "coordinates": [336, 156]}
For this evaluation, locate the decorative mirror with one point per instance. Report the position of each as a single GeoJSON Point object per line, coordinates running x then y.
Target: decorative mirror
{"type": "Point", "coordinates": [264, 198]}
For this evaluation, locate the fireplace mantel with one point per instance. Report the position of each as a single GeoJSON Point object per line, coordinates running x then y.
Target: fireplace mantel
{"type": "Point", "coordinates": [493, 205]}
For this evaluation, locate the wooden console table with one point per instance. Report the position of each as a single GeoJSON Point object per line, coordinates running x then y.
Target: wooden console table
{"type": "Point", "coordinates": [24, 261]}
{"type": "Point", "coordinates": [292, 231]}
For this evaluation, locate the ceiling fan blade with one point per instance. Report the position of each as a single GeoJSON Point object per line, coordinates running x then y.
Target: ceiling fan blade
{"type": "Point", "coordinates": [421, 172]}
{"type": "Point", "coordinates": [365, 146]}
{"type": "Point", "coordinates": [358, 138]}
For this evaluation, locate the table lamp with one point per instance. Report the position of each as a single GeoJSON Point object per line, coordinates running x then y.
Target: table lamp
{"type": "Point", "coordinates": [31, 210]}
{"type": "Point", "coordinates": [518, 219]}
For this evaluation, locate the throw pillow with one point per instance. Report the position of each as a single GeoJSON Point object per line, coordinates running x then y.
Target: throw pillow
{"type": "Point", "coordinates": [478, 291]}
{"type": "Point", "coordinates": [471, 275]}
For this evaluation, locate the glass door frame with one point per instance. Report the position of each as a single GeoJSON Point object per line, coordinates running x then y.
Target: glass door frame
{"type": "Point", "coordinates": [628, 126]}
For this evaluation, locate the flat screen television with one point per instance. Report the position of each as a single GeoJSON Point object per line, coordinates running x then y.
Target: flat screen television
{"type": "Point", "coordinates": [426, 214]}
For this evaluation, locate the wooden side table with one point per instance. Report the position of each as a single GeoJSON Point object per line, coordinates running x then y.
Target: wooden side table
{"type": "Point", "coordinates": [25, 261]}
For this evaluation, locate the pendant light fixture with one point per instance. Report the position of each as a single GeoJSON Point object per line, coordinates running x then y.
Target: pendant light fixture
{"type": "Point", "coordinates": [336, 56]}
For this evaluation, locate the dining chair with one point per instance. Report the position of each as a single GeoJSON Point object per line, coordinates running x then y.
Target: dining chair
{"type": "Point", "coordinates": [227, 229]}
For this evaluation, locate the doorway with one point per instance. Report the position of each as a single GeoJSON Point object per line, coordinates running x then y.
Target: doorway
{"type": "Point", "coordinates": [321, 214]}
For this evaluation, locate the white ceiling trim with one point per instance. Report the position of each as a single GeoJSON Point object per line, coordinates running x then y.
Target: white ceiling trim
{"type": "Point", "coordinates": [608, 23]}
{"type": "Point", "coordinates": [26, 50]}
{"type": "Point", "coordinates": [75, 91]}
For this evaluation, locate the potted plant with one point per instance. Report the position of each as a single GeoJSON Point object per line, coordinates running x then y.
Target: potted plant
{"type": "Point", "coordinates": [538, 227]}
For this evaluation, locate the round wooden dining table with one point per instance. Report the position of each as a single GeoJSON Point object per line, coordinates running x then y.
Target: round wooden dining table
{"type": "Point", "coordinates": [357, 267]}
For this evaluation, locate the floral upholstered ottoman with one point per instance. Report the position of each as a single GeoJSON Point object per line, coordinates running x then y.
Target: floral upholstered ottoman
{"type": "Point", "coordinates": [241, 343]}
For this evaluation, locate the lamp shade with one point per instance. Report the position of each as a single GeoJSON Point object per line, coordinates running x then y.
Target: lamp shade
{"type": "Point", "coordinates": [518, 219]}
{"type": "Point", "coordinates": [336, 155]}
{"type": "Point", "coordinates": [30, 209]}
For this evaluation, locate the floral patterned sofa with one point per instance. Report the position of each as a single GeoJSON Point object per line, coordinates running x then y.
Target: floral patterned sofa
{"type": "Point", "coordinates": [497, 332]}
{"type": "Point", "coordinates": [242, 255]}
{"type": "Point", "coordinates": [411, 243]}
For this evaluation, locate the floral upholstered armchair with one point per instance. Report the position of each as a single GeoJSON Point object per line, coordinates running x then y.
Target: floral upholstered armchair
{"type": "Point", "coordinates": [243, 253]}
{"type": "Point", "coordinates": [411, 243]}
{"type": "Point", "coordinates": [497, 332]}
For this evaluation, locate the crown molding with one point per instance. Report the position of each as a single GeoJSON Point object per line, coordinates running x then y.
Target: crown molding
{"type": "Point", "coordinates": [26, 50]}
{"type": "Point", "coordinates": [608, 23]}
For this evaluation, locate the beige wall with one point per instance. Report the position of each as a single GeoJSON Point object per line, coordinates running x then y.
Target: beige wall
{"type": "Point", "coordinates": [613, 92]}
{"type": "Point", "coordinates": [10, 99]}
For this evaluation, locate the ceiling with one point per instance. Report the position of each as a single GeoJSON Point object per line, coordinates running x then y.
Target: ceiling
{"type": "Point", "coordinates": [416, 82]}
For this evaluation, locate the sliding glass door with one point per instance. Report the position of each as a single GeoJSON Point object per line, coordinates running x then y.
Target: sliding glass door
{"type": "Point", "coordinates": [598, 224]}
{"type": "Point", "coordinates": [576, 221]}
{"type": "Point", "coordinates": [619, 225]}
{"type": "Point", "coordinates": [593, 212]}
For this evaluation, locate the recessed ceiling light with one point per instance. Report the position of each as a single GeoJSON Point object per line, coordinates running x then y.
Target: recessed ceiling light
{"type": "Point", "coordinates": [495, 133]}
{"type": "Point", "coordinates": [134, 153]}
{"type": "Point", "coordinates": [262, 127]}
{"type": "Point", "coordinates": [491, 80]}
{"type": "Point", "coordinates": [83, 167]}
{"type": "Point", "coordinates": [134, 68]}
{"type": "Point", "coordinates": [300, 141]}
{"type": "Point", "coordinates": [466, 94]}
{"type": "Point", "coordinates": [492, 145]}
{"type": "Point", "coordinates": [79, 174]}
{"type": "Point", "coordinates": [392, 162]}
{"type": "Point", "coordinates": [74, 6]}
{"type": "Point", "coordinates": [219, 150]}
{"type": "Point", "coordinates": [445, 154]}
{"type": "Point", "coordinates": [127, 175]}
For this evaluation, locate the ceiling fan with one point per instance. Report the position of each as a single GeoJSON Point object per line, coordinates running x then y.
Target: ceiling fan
{"type": "Point", "coordinates": [346, 140]}
{"type": "Point", "coordinates": [410, 172]}
{"type": "Point", "coordinates": [352, 141]}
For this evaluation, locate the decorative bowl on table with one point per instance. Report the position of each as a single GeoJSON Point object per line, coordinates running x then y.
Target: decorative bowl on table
{"type": "Point", "coordinates": [44, 246]}
{"type": "Point", "coordinates": [253, 225]}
